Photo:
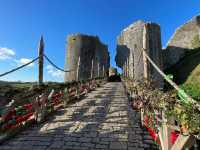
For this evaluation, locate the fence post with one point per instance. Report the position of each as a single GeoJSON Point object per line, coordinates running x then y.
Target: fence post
{"type": "Point", "coordinates": [78, 90]}
{"type": "Point", "coordinates": [78, 68]}
{"type": "Point", "coordinates": [125, 69]}
{"type": "Point", "coordinates": [127, 65]}
{"type": "Point", "coordinates": [145, 47]}
{"type": "Point", "coordinates": [98, 67]}
{"type": "Point", "coordinates": [40, 61]}
{"type": "Point", "coordinates": [92, 69]}
{"type": "Point", "coordinates": [103, 71]}
{"type": "Point", "coordinates": [66, 96]}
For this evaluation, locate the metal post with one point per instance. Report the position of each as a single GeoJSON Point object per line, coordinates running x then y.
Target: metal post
{"type": "Point", "coordinates": [78, 68]}
{"type": "Point", "coordinates": [92, 69]}
{"type": "Point", "coordinates": [40, 61]}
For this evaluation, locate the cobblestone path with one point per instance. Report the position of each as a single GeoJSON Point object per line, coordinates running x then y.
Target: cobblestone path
{"type": "Point", "coordinates": [103, 120]}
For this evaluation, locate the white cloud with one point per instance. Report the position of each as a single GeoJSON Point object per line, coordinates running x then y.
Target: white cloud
{"type": "Point", "coordinates": [54, 72]}
{"type": "Point", "coordinates": [23, 61]}
{"type": "Point", "coordinates": [6, 53]}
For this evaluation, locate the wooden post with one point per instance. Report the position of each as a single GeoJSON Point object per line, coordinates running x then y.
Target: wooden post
{"type": "Point", "coordinates": [131, 62]}
{"type": "Point", "coordinates": [78, 68]}
{"type": "Point", "coordinates": [127, 67]}
{"type": "Point", "coordinates": [78, 90]}
{"type": "Point", "coordinates": [98, 67]}
{"type": "Point", "coordinates": [103, 71]}
{"type": "Point", "coordinates": [50, 99]}
{"type": "Point", "coordinates": [142, 116]}
{"type": "Point", "coordinates": [123, 70]}
{"type": "Point", "coordinates": [40, 110]}
{"type": "Point", "coordinates": [145, 66]}
{"type": "Point", "coordinates": [145, 47]}
{"type": "Point", "coordinates": [66, 96]}
{"type": "Point", "coordinates": [183, 142]}
{"type": "Point", "coordinates": [164, 134]}
{"type": "Point", "coordinates": [92, 69]}
{"type": "Point", "coordinates": [40, 61]}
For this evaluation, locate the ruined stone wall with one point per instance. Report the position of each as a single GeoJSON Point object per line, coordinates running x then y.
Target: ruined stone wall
{"type": "Point", "coordinates": [129, 50]}
{"type": "Point", "coordinates": [74, 44]}
{"type": "Point", "coordinates": [130, 41]}
{"type": "Point", "coordinates": [181, 41]}
{"type": "Point", "coordinates": [88, 48]}
{"type": "Point", "coordinates": [154, 49]}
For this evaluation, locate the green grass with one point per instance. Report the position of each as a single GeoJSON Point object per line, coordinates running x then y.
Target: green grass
{"type": "Point", "coordinates": [192, 84]}
{"type": "Point", "coordinates": [22, 85]}
{"type": "Point", "coordinates": [187, 73]}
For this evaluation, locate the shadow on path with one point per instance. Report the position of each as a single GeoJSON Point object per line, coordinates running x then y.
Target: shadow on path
{"type": "Point", "coordinates": [104, 120]}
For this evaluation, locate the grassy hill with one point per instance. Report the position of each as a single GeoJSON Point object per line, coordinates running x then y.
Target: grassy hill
{"type": "Point", "coordinates": [187, 73]}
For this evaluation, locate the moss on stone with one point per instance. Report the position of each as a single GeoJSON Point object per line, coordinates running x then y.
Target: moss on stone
{"type": "Point", "coordinates": [196, 41]}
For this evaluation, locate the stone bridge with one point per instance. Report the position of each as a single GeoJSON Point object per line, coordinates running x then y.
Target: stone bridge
{"type": "Point", "coordinates": [102, 120]}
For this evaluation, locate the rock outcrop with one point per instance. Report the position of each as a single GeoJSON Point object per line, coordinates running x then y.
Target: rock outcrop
{"type": "Point", "coordinates": [129, 51]}
{"type": "Point", "coordinates": [183, 40]}
{"type": "Point", "coordinates": [92, 54]}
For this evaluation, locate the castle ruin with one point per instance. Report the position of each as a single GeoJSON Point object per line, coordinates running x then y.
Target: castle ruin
{"type": "Point", "coordinates": [129, 51]}
{"type": "Point", "coordinates": [87, 57]}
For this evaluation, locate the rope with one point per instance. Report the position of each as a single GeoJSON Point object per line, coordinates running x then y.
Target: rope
{"type": "Point", "coordinates": [181, 92]}
{"type": "Point", "coordinates": [51, 62]}
{"type": "Point", "coordinates": [15, 69]}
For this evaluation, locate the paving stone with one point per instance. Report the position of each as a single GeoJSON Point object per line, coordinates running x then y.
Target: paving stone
{"type": "Point", "coordinates": [100, 146]}
{"type": "Point", "coordinates": [72, 143]}
{"type": "Point", "coordinates": [118, 146]}
{"type": "Point", "coordinates": [83, 139]}
{"type": "Point", "coordinates": [106, 122]}
{"type": "Point", "coordinates": [57, 144]}
{"type": "Point", "coordinates": [90, 145]}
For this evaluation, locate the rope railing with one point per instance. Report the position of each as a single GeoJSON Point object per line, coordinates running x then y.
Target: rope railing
{"type": "Point", "coordinates": [161, 127]}
{"type": "Point", "coordinates": [185, 97]}
{"type": "Point", "coordinates": [18, 68]}
{"type": "Point", "coordinates": [14, 118]}
{"type": "Point", "coordinates": [24, 65]}
{"type": "Point", "coordinates": [54, 65]}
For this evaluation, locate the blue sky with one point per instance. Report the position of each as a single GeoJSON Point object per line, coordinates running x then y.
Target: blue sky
{"type": "Point", "coordinates": [22, 22]}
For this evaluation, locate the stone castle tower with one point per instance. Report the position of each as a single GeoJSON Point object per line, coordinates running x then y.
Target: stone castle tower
{"type": "Point", "coordinates": [92, 54]}
{"type": "Point", "coordinates": [129, 51]}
